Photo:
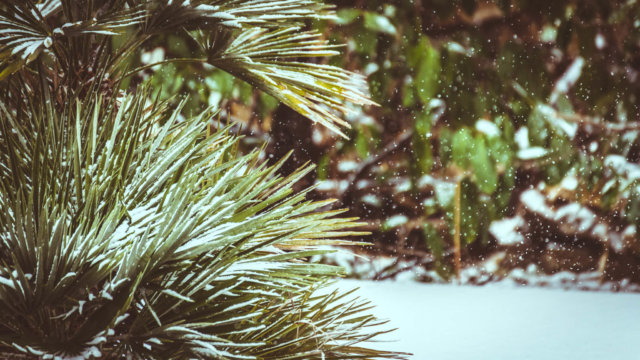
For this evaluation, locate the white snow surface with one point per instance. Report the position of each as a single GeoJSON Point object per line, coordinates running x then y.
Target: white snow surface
{"type": "Point", "coordinates": [535, 201]}
{"type": "Point", "coordinates": [506, 231]}
{"type": "Point", "coordinates": [522, 138]}
{"type": "Point", "coordinates": [488, 128]}
{"type": "Point", "coordinates": [568, 79]}
{"type": "Point", "coordinates": [532, 153]}
{"type": "Point", "coordinates": [495, 322]}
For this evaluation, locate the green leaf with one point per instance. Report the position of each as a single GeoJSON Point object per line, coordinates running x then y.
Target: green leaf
{"type": "Point", "coordinates": [436, 245]}
{"type": "Point", "coordinates": [425, 62]}
{"type": "Point", "coordinates": [346, 16]}
{"type": "Point", "coordinates": [462, 147]}
{"type": "Point", "coordinates": [470, 211]}
{"type": "Point", "coordinates": [378, 23]}
{"type": "Point", "coordinates": [484, 169]}
{"type": "Point", "coordinates": [362, 143]}
{"type": "Point", "coordinates": [422, 143]}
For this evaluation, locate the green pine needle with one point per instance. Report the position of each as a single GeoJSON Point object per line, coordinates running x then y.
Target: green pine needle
{"type": "Point", "coordinates": [127, 230]}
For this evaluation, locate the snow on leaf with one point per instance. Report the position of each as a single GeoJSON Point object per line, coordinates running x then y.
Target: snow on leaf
{"type": "Point", "coordinates": [177, 295]}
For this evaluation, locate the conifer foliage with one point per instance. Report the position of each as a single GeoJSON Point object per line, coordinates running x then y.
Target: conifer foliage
{"type": "Point", "coordinates": [128, 230]}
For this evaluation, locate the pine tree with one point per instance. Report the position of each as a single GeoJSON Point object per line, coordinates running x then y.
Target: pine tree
{"type": "Point", "coordinates": [131, 231]}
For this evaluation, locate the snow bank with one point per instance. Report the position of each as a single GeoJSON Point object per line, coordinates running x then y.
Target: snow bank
{"type": "Point", "coordinates": [442, 322]}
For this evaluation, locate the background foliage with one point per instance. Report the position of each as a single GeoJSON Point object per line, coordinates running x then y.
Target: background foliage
{"type": "Point", "coordinates": [487, 99]}
{"type": "Point", "coordinates": [482, 101]}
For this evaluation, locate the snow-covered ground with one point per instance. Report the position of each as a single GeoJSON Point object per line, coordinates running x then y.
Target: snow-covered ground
{"type": "Point", "coordinates": [494, 322]}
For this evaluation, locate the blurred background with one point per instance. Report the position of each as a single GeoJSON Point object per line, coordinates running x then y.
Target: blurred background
{"type": "Point", "coordinates": [505, 148]}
